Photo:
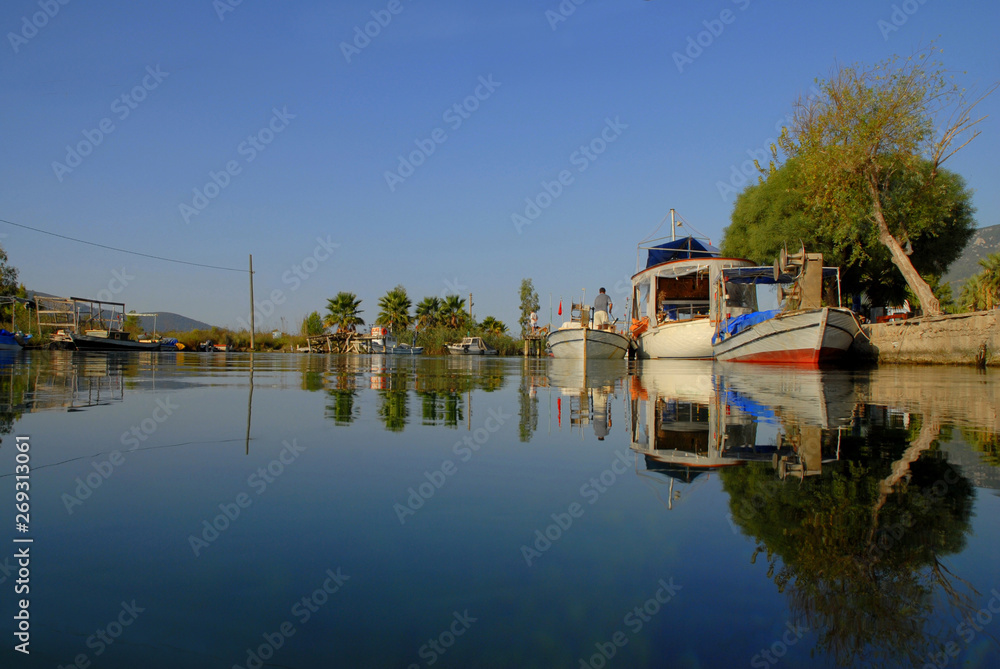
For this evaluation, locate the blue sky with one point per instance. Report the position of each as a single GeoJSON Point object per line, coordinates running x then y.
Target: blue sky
{"type": "Point", "coordinates": [291, 138]}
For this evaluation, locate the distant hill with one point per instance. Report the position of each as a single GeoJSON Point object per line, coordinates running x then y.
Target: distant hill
{"type": "Point", "coordinates": [982, 244]}
{"type": "Point", "coordinates": [167, 321]}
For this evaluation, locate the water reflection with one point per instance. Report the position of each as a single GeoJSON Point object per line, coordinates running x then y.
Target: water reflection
{"type": "Point", "coordinates": [855, 506]}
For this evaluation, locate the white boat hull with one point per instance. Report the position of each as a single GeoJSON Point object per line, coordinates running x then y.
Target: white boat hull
{"type": "Point", "coordinates": [807, 337]}
{"type": "Point", "coordinates": [683, 339]}
{"type": "Point", "coordinates": [588, 343]}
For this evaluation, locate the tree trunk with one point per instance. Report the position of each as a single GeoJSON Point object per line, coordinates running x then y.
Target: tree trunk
{"type": "Point", "coordinates": [928, 302]}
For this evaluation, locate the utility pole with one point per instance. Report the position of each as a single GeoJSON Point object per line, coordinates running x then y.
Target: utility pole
{"type": "Point", "coordinates": [252, 309]}
{"type": "Point", "coordinates": [470, 306]}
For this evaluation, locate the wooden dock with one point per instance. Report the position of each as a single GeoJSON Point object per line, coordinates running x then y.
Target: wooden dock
{"type": "Point", "coordinates": [534, 342]}
{"type": "Point", "coordinates": [339, 342]}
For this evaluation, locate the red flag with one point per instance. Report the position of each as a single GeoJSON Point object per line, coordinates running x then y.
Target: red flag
{"type": "Point", "coordinates": [560, 307]}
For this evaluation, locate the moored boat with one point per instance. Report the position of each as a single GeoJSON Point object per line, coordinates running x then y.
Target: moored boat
{"type": "Point", "coordinates": [12, 341]}
{"type": "Point", "coordinates": [802, 333]}
{"type": "Point", "coordinates": [110, 340]}
{"type": "Point", "coordinates": [471, 346]}
{"type": "Point", "coordinates": [673, 313]}
{"type": "Point", "coordinates": [576, 338]}
{"type": "Point", "coordinates": [385, 342]}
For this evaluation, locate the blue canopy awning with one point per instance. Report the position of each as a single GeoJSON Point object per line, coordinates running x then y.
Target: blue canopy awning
{"type": "Point", "coordinates": [679, 249]}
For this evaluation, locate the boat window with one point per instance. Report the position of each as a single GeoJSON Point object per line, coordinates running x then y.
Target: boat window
{"type": "Point", "coordinates": [741, 295]}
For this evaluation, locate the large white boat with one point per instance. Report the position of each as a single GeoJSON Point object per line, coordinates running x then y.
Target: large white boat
{"type": "Point", "coordinates": [577, 338]}
{"type": "Point", "coordinates": [803, 333]}
{"type": "Point", "coordinates": [673, 313]}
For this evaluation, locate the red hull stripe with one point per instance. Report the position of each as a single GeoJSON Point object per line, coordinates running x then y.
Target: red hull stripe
{"type": "Point", "coordinates": [802, 356]}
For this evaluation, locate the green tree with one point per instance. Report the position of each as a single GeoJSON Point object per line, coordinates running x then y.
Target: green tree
{"type": "Point", "coordinates": [777, 213]}
{"type": "Point", "coordinates": [529, 303]}
{"type": "Point", "coordinates": [493, 326]}
{"type": "Point", "coordinates": [452, 311]}
{"type": "Point", "coordinates": [8, 284]}
{"type": "Point", "coordinates": [342, 312]}
{"type": "Point", "coordinates": [427, 312]}
{"type": "Point", "coordinates": [394, 310]}
{"type": "Point", "coordinates": [982, 291]}
{"type": "Point", "coordinates": [132, 323]}
{"type": "Point", "coordinates": [864, 142]}
{"type": "Point", "coordinates": [312, 324]}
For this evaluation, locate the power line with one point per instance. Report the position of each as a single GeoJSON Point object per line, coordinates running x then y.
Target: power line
{"type": "Point", "coordinates": [112, 248]}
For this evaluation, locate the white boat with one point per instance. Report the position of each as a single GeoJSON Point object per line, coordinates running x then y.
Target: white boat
{"type": "Point", "coordinates": [577, 339]}
{"type": "Point", "coordinates": [384, 342]}
{"type": "Point", "coordinates": [673, 313]}
{"type": "Point", "coordinates": [471, 346]}
{"type": "Point", "coordinates": [805, 334]}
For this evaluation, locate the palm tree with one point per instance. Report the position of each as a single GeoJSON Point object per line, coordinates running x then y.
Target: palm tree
{"type": "Point", "coordinates": [427, 312]}
{"type": "Point", "coordinates": [452, 310]}
{"type": "Point", "coordinates": [982, 291]}
{"type": "Point", "coordinates": [342, 311]}
{"type": "Point", "coordinates": [493, 326]}
{"type": "Point", "coordinates": [990, 280]}
{"type": "Point", "coordinates": [395, 310]}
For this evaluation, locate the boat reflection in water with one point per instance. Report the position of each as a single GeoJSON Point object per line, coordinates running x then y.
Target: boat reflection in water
{"type": "Point", "coordinates": [691, 417]}
{"type": "Point", "coordinates": [587, 391]}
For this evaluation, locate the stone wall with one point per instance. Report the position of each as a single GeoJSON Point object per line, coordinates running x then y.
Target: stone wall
{"type": "Point", "coordinates": [953, 339]}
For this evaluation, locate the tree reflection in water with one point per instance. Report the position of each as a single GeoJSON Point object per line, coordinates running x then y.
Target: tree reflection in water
{"type": "Point", "coordinates": [858, 549]}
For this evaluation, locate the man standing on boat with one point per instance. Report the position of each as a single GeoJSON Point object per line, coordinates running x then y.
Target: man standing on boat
{"type": "Point", "coordinates": [602, 309]}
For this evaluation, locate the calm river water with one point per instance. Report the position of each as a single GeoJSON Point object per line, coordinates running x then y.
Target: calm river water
{"type": "Point", "coordinates": [223, 510]}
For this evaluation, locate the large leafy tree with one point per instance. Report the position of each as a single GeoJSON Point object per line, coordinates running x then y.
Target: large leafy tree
{"type": "Point", "coordinates": [871, 148]}
{"type": "Point", "coordinates": [529, 303]}
{"type": "Point", "coordinates": [394, 310]}
{"type": "Point", "coordinates": [778, 212]}
{"type": "Point", "coordinates": [343, 312]}
{"type": "Point", "coordinates": [427, 312]}
{"type": "Point", "coordinates": [452, 312]}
